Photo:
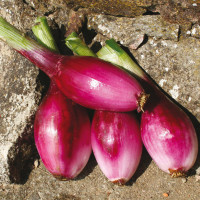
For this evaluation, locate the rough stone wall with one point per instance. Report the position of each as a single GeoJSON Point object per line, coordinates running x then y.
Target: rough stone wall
{"type": "Point", "coordinates": [172, 10]}
{"type": "Point", "coordinates": [164, 38]}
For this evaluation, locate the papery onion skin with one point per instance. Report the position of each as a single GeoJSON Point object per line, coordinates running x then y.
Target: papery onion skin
{"type": "Point", "coordinates": [169, 136]}
{"type": "Point", "coordinates": [62, 135]}
{"type": "Point", "coordinates": [117, 145]}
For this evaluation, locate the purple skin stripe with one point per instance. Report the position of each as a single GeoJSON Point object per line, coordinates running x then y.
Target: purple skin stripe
{"type": "Point", "coordinates": [107, 127]}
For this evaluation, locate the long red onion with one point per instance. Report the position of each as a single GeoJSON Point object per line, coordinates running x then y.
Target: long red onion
{"type": "Point", "coordinates": [167, 132]}
{"type": "Point", "coordinates": [88, 81]}
{"type": "Point", "coordinates": [62, 135]}
{"type": "Point", "coordinates": [169, 136]}
{"type": "Point", "coordinates": [61, 128]}
{"type": "Point", "coordinates": [117, 144]}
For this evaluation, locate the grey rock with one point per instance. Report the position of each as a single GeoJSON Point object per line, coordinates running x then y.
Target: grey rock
{"type": "Point", "coordinates": [112, 7]}
{"type": "Point", "coordinates": [19, 101]}
{"type": "Point", "coordinates": [184, 180]}
{"type": "Point", "coordinates": [197, 178]}
{"type": "Point", "coordinates": [172, 63]}
{"type": "Point", "coordinates": [195, 31]}
{"type": "Point", "coordinates": [131, 29]}
{"type": "Point", "coordinates": [198, 171]}
{"type": "Point", "coordinates": [136, 42]}
{"type": "Point", "coordinates": [33, 196]}
{"type": "Point", "coordinates": [175, 68]}
{"type": "Point", "coordinates": [176, 11]}
{"type": "Point", "coordinates": [179, 11]}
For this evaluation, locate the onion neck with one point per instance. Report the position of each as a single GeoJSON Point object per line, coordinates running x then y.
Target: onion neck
{"type": "Point", "coordinates": [44, 59]}
{"type": "Point", "coordinates": [37, 54]}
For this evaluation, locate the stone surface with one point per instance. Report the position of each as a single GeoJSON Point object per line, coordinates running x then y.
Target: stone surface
{"type": "Point", "coordinates": [195, 32]}
{"type": "Point", "coordinates": [176, 11]}
{"type": "Point", "coordinates": [180, 11]}
{"type": "Point", "coordinates": [171, 61]}
{"type": "Point", "coordinates": [19, 101]}
{"type": "Point", "coordinates": [148, 183]}
{"type": "Point", "coordinates": [112, 7]}
{"type": "Point", "coordinates": [129, 29]}
{"type": "Point", "coordinates": [175, 66]}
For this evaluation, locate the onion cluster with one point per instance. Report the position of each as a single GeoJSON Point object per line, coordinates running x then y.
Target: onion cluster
{"type": "Point", "coordinates": [64, 135]}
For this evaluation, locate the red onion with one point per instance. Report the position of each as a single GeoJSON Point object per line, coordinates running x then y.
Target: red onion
{"type": "Point", "coordinates": [169, 136]}
{"type": "Point", "coordinates": [167, 132]}
{"type": "Point", "coordinates": [88, 81]}
{"type": "Point", "coordinates": [59, 135]}
{"type": "Point", "coordinates": [62, 135]}
{"type": "Point", "coordinates": [116, 144]}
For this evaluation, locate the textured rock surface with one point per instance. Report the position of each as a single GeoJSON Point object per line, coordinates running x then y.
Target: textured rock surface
{"type": "Point", "coordinates": [181, 11]}
{"type": "Point", "coordinates": [19, 101]}
{"type": "Point", "coordinates": [112, 7]}
{"type": "Point", "coordinates": [175, 66]}
{"type": "Point", "coordinates": [172, 61]}
{"type": "Point", "coordinates": [18, 104]}
{"type": "Point", "coordinates": [129, 29]}
{"type": "Point", "coordinates": [195, 32]}
{"type": "Point", "coordinates": [148, 183]}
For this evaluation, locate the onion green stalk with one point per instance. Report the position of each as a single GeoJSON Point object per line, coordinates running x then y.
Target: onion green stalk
{"type": "Point", "coordinates": [43, 34]}
{"type": "Point", "coordinates": [113, 53]}
{"type": "Point", "coordinates": [78, 46]}
{"type": "Point", "coordinates": [15, 38]}
{"type": "Point", "coordinates": [39, 55]}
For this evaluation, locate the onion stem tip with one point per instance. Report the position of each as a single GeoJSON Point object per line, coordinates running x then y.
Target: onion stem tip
{"type": "Point", "coordinates": [177, 173]}
{"type": "Point", "coordinates": [143, 97]}
{"type": "Point", "coordinates": [119, 182]}
{"type": "Point", "coordinates": [60, 177]}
